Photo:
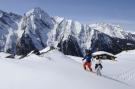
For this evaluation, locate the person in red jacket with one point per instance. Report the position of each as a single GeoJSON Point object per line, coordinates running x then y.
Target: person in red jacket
{"type": "Point", "coordinates": [87, 60]}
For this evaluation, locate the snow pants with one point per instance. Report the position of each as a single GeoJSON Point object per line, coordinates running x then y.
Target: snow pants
{"type": "Point", "coordinates": [87, 65]}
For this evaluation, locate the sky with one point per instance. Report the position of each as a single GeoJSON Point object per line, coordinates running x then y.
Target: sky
{"type": "Point", "coordinates": [120, 12]}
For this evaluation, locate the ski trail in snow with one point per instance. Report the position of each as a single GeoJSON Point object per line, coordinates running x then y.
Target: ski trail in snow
{"type": "Point", "coordinates": [114, 79]}
{"type": "Point", "coordinates": [126, 75]}
{"type": "Point", "coordinates": [123, 77]}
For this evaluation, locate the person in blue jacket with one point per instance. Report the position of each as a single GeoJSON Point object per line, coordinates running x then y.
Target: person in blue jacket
{"type": "Point", "coordinates": [87, 60]}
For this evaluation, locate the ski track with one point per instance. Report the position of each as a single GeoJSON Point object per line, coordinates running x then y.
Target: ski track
{"type": "Point", "coordinates": [113, 78]}
{"type": "Point", "coordinates": [123, 77]}
{"type": "Point", "coordinates": [127, 75]}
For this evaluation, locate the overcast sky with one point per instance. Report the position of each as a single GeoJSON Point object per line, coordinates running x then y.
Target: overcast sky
{"type": "Point", "coordinates": [85, 11]}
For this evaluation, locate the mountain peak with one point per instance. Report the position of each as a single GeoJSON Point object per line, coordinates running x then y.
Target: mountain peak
{"type": "Point", "coordinates": [38, 14]}
{"type": "Point", "coordinates": [35, 11]}
{"type": "Point", "coordinates": [58, 19]}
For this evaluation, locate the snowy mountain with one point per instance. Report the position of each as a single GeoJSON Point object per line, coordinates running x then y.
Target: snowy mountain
{"type": "Point", "coordinates": [37, 30]}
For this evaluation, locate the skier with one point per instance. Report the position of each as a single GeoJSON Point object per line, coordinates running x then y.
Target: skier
{"type": "Point", "coordinates": [98, 65]}
{"type": "Point", "coordinates": [87, 60]}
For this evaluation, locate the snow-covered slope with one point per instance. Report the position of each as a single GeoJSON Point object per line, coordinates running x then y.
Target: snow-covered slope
{"type": "Point", "coordinates": [54, 70]}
